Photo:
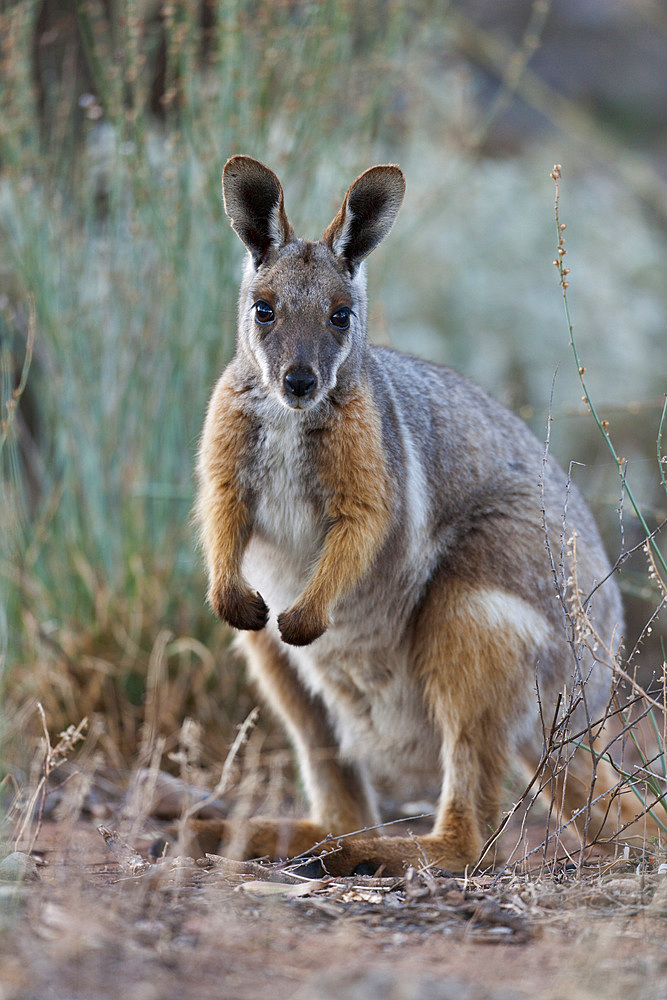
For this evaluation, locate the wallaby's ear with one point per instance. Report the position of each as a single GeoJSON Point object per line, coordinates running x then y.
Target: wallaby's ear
{"type": "Point", "coordinates": [254, 202]}
{"type": "Point", "coordinates": [367, 214]}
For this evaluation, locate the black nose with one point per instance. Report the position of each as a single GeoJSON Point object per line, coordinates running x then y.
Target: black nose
{"type": "Point", "coordinates": [300, 381]}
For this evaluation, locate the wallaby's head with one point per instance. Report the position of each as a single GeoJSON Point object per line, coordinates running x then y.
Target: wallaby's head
{"type": "Point", "coordinates": [302, 309]}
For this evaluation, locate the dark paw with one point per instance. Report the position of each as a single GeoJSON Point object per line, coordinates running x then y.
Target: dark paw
{"type": "Point", "coordinates": [157, 850]}
{"type": "Point", "coordinates": [299, 628]}
{"type": "Point", "coordinates": [308, 868]}
{"type": "Point", "coordinates": [344, 864]}
{"type": "Point", "coordinates": [241, 609]}
{"type": "Point", "coordinates": [365, 868]}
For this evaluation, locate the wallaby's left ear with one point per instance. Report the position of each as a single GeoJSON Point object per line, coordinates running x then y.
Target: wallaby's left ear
{"type": "Point", "coordinates": [254, 202]}
{"type": "Point", "coordinates": [367, 214]}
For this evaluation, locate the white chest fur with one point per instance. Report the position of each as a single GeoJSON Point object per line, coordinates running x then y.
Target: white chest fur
{"type": "Point", "coordinates": [284, 515]}
{"type": "Point", "coordinates": [288, 526]}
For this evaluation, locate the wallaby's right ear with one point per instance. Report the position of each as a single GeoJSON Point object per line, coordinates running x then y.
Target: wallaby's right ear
{"type": "Point", "coordinates": [367, 214]}
{"type": "Point", "coordinates": [254, 202]}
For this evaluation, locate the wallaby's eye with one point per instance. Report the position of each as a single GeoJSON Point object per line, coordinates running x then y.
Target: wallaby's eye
{"type": "Point", "coordinates": [263, 312]}
{"type": "Point", "coordinates": [341, 318]}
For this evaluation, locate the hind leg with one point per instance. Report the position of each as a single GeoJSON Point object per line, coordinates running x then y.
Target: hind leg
{"type": "Point", "coordinates": [340, 798]}
{"type": "Point", "coordinates": [474, 651]}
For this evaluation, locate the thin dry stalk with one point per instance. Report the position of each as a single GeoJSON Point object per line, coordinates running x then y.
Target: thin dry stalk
{"type": "Point", "coordinates": [53, 758]}
{"type": "Point", "coordinates": [587, 635]}
{"type": "Point", "coordinates": [224, 781]}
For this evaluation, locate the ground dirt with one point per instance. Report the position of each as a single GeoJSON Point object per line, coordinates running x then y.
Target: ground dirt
{"type": "Point", "coordinates": [96, 921]}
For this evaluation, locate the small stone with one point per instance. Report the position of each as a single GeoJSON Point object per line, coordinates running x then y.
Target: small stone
{"type": "Point", "coordinates": [18, 867]}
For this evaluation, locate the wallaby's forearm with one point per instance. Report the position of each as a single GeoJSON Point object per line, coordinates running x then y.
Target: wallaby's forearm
{"type": "Point", "coordinates": [223, 512]}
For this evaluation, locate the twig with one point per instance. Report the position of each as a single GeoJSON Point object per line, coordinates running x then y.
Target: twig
{"type": "Point", "coordinates": [12, 403]}
{"type": "Point", "coordinates": [330, 839]}
{"type": "Point", "coordinates": [54, 757]}
{"type": "Point", "coordinates": [125, 855]}
{"type": "Point", "coordinates": [244, 731]}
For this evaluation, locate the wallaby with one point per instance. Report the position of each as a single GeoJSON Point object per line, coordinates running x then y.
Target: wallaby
{"type": "Point", "coordinates": [372, 524]}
